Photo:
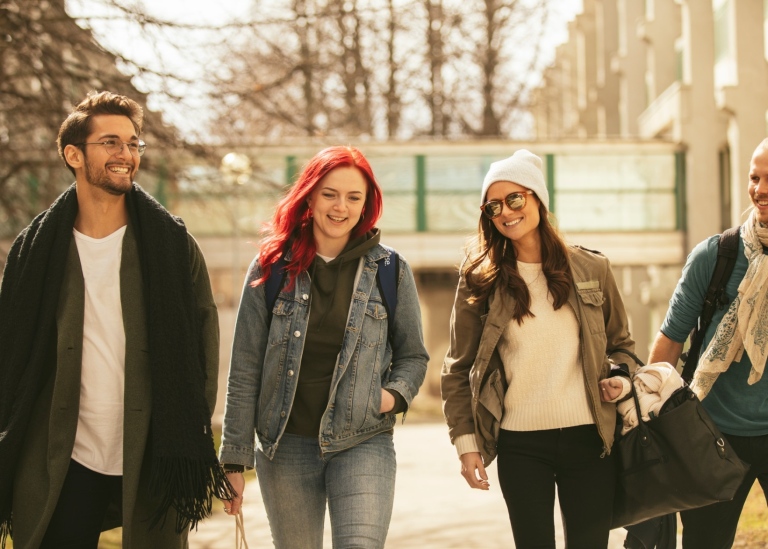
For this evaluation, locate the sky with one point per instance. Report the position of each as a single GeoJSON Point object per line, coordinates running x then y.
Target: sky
{"type": "Point", "coordinates": [188, 53]}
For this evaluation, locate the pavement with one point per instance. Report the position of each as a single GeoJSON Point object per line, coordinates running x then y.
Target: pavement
{"type": "Point", "coordinates": [434, 507]}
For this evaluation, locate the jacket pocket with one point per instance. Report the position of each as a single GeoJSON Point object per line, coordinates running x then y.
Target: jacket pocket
{"type": "Point", "coordinates": [592, 300]}
{"type": "Point", "coordinates": [489, 410]}
{"type": "Point", "coordinates": [374, 323]}
{"type": "Point", "coordinates": [279, 329]}
{"type": "Point", "coordinates": [592, 296]}
{"type": "Point", "coordinates": [492, 395]}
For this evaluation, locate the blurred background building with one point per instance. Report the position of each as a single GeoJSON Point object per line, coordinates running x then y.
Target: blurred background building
{"type": "Point", "coordinates": [646, 118]}
{"type": "Point", "coordinates": [622, 197]}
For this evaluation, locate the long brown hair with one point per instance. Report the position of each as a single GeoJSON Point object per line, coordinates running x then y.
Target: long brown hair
{"type": "Point", "coordinates": [494, 264]}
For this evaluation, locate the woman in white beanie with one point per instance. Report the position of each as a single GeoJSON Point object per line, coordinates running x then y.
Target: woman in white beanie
{"type": "Point", "coordinates": [532, 374]}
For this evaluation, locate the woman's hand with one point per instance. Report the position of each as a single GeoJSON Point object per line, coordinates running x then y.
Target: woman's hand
{"type": "Point", "coordinates": [473, 470]}
{"type": "Point", "coordinates": [610, 388]}
{"type": "Point", "coordinates": [237, 480]}
{"type": "Point", "coordinates": [387, 402]}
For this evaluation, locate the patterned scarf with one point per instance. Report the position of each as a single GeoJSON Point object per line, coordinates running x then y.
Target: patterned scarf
{"type": "Point", "coordinates": [745, 325]}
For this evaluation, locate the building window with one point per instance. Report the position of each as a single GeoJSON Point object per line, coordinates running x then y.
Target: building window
{"type": "Point", "coordinates": [725, 187]}
{"type": "Point", "coordinates": [765, 27]}
{"type": "Point", "coordinates": [725, 64]}
{"type": "Point", "coordinates": [650, 10]}
{"type": "Point", "coordinates": [679, 60]}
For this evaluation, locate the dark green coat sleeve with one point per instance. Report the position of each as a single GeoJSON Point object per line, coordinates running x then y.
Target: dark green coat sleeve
{"type": "Point", "coordinates": [208, 320]}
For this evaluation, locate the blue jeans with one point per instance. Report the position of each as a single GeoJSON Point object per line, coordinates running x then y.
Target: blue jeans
{"type": "Point", "coordinates": [714, 526]}
{"type": "Point", "coordinates": [358, 485]}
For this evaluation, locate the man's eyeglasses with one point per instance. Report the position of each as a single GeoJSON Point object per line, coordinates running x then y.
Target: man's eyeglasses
{"type": "Point", "coordinates": [514, 201]}
{"type": "Point", "coordinates": [114, 146]}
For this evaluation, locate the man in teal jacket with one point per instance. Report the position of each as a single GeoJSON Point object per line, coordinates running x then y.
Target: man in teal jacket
{"type": "Point", "coordinates": [729, 376]}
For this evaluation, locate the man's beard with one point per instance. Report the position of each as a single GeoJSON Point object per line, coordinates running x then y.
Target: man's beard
{"type": "Point", "coordinates": [100, 178]}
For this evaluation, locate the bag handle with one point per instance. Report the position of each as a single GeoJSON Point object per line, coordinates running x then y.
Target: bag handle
{"type": "Point", "coordinates": [240, 542]}
{"type": "Point", "coordinates": [640, 423]}
{"type": "Point", "coordinates": [628, 353]}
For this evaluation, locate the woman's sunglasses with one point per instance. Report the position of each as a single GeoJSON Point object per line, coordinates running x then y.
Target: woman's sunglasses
{"type": "Point", "coordinates": [514, 201]}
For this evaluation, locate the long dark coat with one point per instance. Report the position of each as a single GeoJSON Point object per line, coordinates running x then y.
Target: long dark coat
{"type": "Point", "coordinates": [51, 434]}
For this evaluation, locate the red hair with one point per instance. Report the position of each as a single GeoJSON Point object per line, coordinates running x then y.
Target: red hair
{"type": "Point", "coordinates": [291, 226]}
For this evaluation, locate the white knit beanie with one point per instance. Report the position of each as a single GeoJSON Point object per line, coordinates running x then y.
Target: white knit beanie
{"type": "Point", "coordinates": [523, 168]}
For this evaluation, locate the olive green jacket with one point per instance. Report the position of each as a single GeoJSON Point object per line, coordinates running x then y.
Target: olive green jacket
{"type": "Point", "coordinates": [50, 437]}
{"type": "Point", "coordinates": [473, 383]}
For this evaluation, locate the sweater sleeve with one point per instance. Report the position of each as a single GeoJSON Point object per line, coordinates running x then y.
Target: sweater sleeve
{"type": "Point", "coordinates": [465, 444]}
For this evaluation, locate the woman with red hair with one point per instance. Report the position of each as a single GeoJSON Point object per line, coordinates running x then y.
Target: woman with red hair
{"type": "Point", "coordinates": [316, 374]}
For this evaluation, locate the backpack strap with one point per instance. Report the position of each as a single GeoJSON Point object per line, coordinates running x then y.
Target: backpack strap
{"type": "Point", "coordinates": [273, 284]}
{"type": "Point", "coordinates": [388, 278]}
{"type": "Point", "coordinates": [715, 298]}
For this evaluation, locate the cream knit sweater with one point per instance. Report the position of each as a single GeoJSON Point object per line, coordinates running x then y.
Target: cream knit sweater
{"type": "Point", "coordinates": [542, 363]}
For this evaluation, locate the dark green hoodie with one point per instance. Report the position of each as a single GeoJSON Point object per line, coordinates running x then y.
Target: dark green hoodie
{"type": "Point", "coordinates": [330, 298]}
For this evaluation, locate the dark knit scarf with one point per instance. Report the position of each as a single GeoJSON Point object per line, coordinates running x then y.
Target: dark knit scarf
{"type": "Point", "coordinates": [185, 473]}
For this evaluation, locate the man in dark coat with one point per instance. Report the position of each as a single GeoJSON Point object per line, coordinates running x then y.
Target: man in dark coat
{"type": "Point", "coordinates": [108, 356]}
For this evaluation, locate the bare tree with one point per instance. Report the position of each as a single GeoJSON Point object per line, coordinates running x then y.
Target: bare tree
{"type": "Point", "coordinates": [391, 92]}
{"type": "Point", "coordinates": [47, 65]}
{"type": "Point", "coordinates": [337, 68]}
{"type": "Point", "coordinates": [436, 26]}
{"type": "Point", "coordinates": [503, 51]}
{"type": "Point", "coordinates": [392, 69]}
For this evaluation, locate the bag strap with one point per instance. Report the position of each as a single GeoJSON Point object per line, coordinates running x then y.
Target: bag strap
{"type": "Point", "coordinates": [715, 298]}
{"type": "Point", "coordinates": [632, 391]}
{"type": "Point", "coordinates": [630, 354]}
{"type": "Point", "coordinates": [240, 542]}
{"type": "Point", "coordinates": [273, 284]}
{"type": "Point", "coordinates": [387, 279]}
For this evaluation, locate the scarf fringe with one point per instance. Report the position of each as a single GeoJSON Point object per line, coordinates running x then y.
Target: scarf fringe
{"type": "Point", "coordinates": [6, 531]}
{"type": "Point", "coordinates": [188, 486]}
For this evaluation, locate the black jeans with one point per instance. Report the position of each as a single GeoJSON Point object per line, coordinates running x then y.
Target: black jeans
{"type": "Point", "coordinates": [531, 463]}
{"type": "Point", "coordinates": [714, 526]}
{"type": "Point", "coordinates": [79, 514]}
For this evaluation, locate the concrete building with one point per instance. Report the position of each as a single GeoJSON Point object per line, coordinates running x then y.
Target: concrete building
{"type": "Point", "coordinates": [692, 73]}
{"type": "Point", "coordinates": [704, 79]}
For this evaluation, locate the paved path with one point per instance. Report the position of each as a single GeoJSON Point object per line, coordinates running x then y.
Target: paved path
{"type": "Point", "coordinates": [434, 508]}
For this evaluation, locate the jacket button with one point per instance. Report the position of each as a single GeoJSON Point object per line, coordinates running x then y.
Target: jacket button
{"type": "Point", "coordinates": [282, 414]}
{"type": "Point", "coordinates": [290, 373]}
{"type": "Point", "coordinates": [304, 296]}
{"type": "Point", "coordinates": [296, 333]}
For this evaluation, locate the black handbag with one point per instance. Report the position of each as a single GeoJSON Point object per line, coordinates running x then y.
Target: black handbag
{"type": "Point", "coordinates": [676, 461]}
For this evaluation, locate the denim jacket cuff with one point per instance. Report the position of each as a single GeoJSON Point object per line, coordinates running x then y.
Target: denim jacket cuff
{"type": "Point", "coordinates": [236, 455]}
{"type": "Point", "coordinates": [402, 389]}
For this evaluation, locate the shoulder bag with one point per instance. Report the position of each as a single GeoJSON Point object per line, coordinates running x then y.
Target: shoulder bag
{"type": "Point", "coordinates": [676, 461]}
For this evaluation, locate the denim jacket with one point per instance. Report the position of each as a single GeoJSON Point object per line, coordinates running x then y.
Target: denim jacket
{"type": "Point", "coordinates": [266, 358]}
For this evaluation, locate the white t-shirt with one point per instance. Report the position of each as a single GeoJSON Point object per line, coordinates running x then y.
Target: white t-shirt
{"type": "Point", "coordinates": [99, 438]}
